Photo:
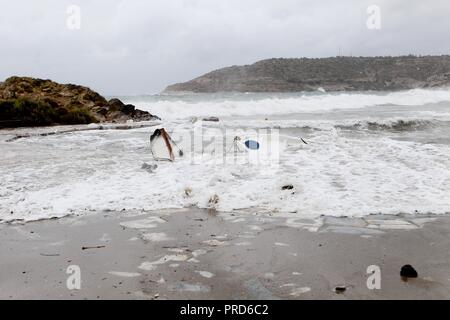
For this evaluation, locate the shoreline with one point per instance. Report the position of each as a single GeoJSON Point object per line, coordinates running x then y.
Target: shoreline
{"type": "Point", "coordinates": [200, 254]}
{"type": "Point", "coordinates": [13, 134]}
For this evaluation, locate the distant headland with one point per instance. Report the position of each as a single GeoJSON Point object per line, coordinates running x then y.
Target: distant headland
{"type": "Point", "coordinates": [330, 74]}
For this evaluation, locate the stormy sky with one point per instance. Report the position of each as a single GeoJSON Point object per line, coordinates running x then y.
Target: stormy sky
{"type": "Point", "coordinates": [140, 46]}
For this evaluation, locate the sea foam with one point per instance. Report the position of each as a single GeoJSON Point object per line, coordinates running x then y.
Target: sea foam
{"type": "Point", "coordinates": [347, 167]}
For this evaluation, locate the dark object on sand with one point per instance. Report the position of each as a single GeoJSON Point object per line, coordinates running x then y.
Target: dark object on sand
{"type": "Point", "coordinates": [303, 141]}
{"type": "Point", "coordinates": [95, 247]}
{"type": "Point", "coordinates": [162, 146]}
{"type": "Point", "coordinates": [212, 119]}
{"type": "Point", "coordinates": [287, 187]}
{"type": "Point", "coordinates": [340, 289]}
{"type": "Point", "coordinates": [408, 271]}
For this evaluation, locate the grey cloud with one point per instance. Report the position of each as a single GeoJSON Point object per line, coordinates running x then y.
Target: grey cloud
{"type": "Point", "coordinates": [134, 47]}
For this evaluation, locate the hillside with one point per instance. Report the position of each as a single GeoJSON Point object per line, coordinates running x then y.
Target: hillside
{"type": "Point", "coordinates": [28, 101]}
{"type": "Point", "coordinates": [331, 74]}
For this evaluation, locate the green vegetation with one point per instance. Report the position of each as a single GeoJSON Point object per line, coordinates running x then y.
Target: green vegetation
{"type": "Point", "coordinates": [25, 112]}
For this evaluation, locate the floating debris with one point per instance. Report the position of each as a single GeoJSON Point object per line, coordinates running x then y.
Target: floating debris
{"type": "Point", "coordinates": [251, 144]}
{"type": "Point", "coordinates": [150, 266]}
{"type": "Point", "coordinates": [213, 201]}
{"type": "Point", "coordinates": [147, 223]}
{"type": "Point", "coordinates": [162, 146]}
{"type": "Point", "coordinates": [246, 145]}
{"type": "Point", "coordinates": [188, 192]}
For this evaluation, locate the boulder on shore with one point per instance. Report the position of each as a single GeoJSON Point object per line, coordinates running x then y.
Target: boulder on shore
{"type": "Point", "coordinates": [28, 101]}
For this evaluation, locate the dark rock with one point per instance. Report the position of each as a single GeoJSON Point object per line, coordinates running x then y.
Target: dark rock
{"type": "Point", "coordinates": [408, 271]}
{"type": "Point", "coordinates": [139, 115]}
{"type": "Point", "coordinates": [115, 104]}
{"type": "Point", "coordinates": [287, 187]}
{"type": "Point", "coordinates": [340, 289]}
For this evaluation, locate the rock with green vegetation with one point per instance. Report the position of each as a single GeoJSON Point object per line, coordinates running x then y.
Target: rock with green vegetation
{"type": "Point", "coordinates": [330, 74]}
{"type": "Point", "coordinates": [25, 112]}
{"type": "Point", "coordinates": [35, 102]}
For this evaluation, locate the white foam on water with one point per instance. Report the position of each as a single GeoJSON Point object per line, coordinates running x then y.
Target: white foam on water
{"type": "Point", "coordinates": [299, 291]}
{"type": "Point", "coordinates": [147, 223]}
{"type": "Point", "coordinates": [188, 287]}
{"type": "Point", "coordinates": [198, 252]}
{"type": "Point", "coordinates": [156, 237]}
{"type": "Point", "coordinates": [205, 274]}
{"type": "Point", "coordinates": [225, 107]}
{"type": "Point", "coordinates": [333, 175]}
{"type": "Point", "coordinates": [243, 243]}
{"type": "Point", "coordinates": [150, 266]}
{"type": "Point", "coordinates": [281, 244]}
{"type": "Point", "coordinates": [124, 274]}
{"type": "Point", "coordinates": [214, 243]}
{"type": "Point", "coordinates": [147, 266]}
{"type": "Point", "coordinates": [336, 174]}
{"type": "Point", "coordinates": [287, 285]}
{"type": "Point", "coordinates": [415, 120]}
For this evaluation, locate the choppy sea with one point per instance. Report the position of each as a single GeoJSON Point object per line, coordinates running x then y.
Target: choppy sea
{"type": "Point", "coordinates": [365, 153]}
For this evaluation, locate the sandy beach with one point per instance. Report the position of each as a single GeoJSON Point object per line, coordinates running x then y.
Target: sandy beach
{"type": "Point", "coordinates": [232, 151]}
{"type": "Point", "coordinates": [201, 254]}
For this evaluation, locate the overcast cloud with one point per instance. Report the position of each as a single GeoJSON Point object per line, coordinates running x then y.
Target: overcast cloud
{"type": "Point", "coordinates": [141, 46]}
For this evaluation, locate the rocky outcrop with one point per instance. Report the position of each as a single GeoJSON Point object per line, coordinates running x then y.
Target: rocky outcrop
{"type": "Point", "coordinates": [117, 111]}
{"type": "Point", "coordinates": [33, 102]}
{"type": "Point", "coordinates": [331, 74]}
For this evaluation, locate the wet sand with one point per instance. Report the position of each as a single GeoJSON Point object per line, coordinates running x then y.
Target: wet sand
{"type": "Point", "coordinates": [196, 254]}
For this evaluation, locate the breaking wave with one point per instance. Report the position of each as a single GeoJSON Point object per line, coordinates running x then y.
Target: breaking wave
{"type": "Point", "coordinates": [395, 125]}
{"type": "Point", "coordinates": [364, 154]}
{"type": "Point", "coordinates": [390, 124]}
{"type": "Point", "coordinates": [260, 104]}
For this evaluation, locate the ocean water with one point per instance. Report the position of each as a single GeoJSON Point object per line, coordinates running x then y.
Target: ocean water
{"type": "Point", "coordinates": [366, 153]}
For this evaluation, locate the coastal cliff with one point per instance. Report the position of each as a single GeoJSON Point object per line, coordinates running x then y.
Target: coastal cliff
{"type": "Point", "coordinates": [331, 74]}
{"type": "Point", "coordinates": [28, 101]}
